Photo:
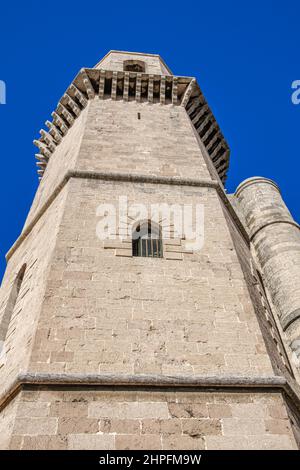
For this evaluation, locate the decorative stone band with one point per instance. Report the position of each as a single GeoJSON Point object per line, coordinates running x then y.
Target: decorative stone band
{"type": "Point", "coordinates": [202, 382]}
{"type": "Point", "coordinates": [278, 221]}
{"type": "Point", "coordinates": [130, 178]}
{"type": "Point", "coordinates": [139, 87]}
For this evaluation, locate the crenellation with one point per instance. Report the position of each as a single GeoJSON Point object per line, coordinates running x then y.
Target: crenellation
{"type": "Point", "coordinates": [114, 86]}
{"type": "Point", "coordinates": [174, 90]}
{"type": "Point", "coordinates": [65, 114]}
{"type": "Point", "coordinates": [87, 84]}
{"type": "Point", "coordinates": [78, 95]}
{"type": "Point", "coordinates": [59, 123]}
{"type": "Point", "coordinates": [188, 92]}
{"type": "Point", "coordinates": [163, 90]}
{"type": "Point", "coordinates": [140, 86]}
{"type": "Point", "coordinates": [54, 132]}
{"type": "Point", "coordinates": [71, 104]}
{"type": "Point", "coordinates": [47, 138]}
{"type": "Point", "coordinates": [199, 114]}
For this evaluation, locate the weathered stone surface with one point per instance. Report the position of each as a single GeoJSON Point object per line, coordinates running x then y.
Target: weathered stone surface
{"type": "Point", "coordinates": [181, 330]}
{"type": "Point", "coordinates": [276, 240]}
{"type": "Point", "coordinates": [35, 426]}
{"type": "Point", "coordinates": [91, 442]}
{"type": "Point", "coordinates": [133, 442]}
{"type": "Point", "coordinates": [109, 419]}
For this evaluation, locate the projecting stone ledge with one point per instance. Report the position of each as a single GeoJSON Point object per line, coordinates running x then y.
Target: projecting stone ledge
{"type": "Point", "coordinates": [214, 382]}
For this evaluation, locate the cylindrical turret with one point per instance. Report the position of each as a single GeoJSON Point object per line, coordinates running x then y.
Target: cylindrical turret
{"type": "Point", "coordinates": [276, 239]}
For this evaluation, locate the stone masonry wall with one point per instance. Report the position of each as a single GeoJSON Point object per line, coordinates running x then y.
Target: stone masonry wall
{"type": "Point", "coordinates": [7, 422]}
{"type": "Point", "coordinates": [114, 61]}
{"type": "Point", "coordinates": [35, 251]}
{"type": "Point", "coordinates": [108, 313]}
{"type": "Point", "coordinates": [109, 137]}
{"type": "Point", "coordinates": [160, 143]}
{"type": "Point", "coordinates": [151, 419]}
{"type": "Point", "coordinates": [62, 160]}
{"type": "Point", "coordinates": [277, 347]}
{"type": "Point", "coordinates": [88, 306]}
{"type": "Point", "coordinates": [276, 243]}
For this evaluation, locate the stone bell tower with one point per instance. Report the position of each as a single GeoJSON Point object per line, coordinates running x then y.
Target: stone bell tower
{"type": "Point", "coordinates": [119, 342]}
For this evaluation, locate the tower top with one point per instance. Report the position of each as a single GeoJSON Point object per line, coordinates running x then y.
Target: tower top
{"type": "Point", "coordinates": [139, 77]}
{"type": "Point", "coordinates": [134, 61]}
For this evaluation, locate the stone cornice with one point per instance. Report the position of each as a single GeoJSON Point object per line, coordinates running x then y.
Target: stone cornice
{"type": "Point", "coordinates": [129, 178]}
{"type": "Point", "coordinates": [103, 84]}
{"type": "Point", "coordinates": [201, 383]}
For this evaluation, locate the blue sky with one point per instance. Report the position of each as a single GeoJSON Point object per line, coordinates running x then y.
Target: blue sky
{"type": "Point", "coordinates": [245, 58]}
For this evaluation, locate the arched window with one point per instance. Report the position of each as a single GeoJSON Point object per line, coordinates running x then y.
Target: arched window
{"type": "Point", "coordinates": [146, 240]}
{"type": "Point", "coordinates": [134, 66]}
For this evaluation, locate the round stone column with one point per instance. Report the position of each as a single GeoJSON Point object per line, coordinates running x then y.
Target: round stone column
{"type": "Point", "coordinates": [276, 239]}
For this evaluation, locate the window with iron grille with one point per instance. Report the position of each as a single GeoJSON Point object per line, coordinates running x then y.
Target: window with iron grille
{"type": "Point", "coordinates": [146, 240]}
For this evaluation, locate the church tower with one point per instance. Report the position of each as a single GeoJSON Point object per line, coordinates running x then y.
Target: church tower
{"type": "Point", "coordinates": [142, 307]}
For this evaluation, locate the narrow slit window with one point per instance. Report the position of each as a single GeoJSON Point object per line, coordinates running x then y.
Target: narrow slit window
{"type": "Point", "coordinates": [147, 241]}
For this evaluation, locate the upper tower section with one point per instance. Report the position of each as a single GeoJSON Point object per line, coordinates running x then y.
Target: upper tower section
{"type": "Point", "coordinates": [134, 62]}
{"type": "Point", "coordinates": [146, 81]}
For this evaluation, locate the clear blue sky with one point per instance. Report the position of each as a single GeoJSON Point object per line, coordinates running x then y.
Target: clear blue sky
{"type": "Point", "coordinates": [244, 57]}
